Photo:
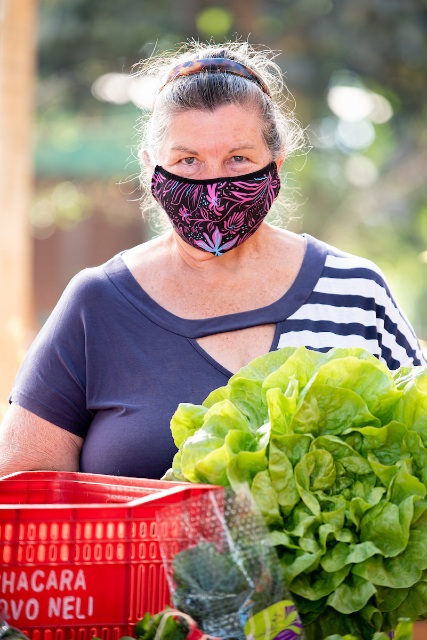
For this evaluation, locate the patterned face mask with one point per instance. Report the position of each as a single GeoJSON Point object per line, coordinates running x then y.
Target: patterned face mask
{"type": "Point", "coordinates": [216, 215]}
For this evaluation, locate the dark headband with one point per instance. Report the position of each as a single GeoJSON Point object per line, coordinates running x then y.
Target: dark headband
{"type": "Point", "coordinates": [214, 65]}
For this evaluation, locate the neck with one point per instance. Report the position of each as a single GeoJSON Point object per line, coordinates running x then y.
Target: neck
{"type": "Point", "coordinates": [200, 260]}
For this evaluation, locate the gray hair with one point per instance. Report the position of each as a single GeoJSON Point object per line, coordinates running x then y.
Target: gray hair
{"type": "Point", "coordinates": [281, 131]}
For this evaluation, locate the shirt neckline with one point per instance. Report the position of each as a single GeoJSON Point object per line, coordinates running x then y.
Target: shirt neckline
{"type": "Point", "coordinates": [303, 285]}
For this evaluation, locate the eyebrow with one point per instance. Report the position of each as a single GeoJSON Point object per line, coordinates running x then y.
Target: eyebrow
{"type": "Point", "coordinates": [241, 147]}
{"type": "Point", "coordinates": [192, 152]}
{"type": "Point", "coordinates": [184, 149]}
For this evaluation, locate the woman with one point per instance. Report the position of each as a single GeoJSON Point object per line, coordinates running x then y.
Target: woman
{"type": "Point", "coordinates": [171, 319]}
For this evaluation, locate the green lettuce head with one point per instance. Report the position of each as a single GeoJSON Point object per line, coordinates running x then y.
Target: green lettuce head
{"type": "Point", "coordinates": [334, 449]}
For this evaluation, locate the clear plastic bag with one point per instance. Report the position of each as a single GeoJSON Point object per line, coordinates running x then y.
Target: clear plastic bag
{"type": "Point", "coordinates": [10, 633]}
{"type": "Point", "coordinates": [222, 570]}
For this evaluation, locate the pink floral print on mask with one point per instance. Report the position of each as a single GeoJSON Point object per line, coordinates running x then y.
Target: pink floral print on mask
{"type": "Point", "coordinates": [216, 215]}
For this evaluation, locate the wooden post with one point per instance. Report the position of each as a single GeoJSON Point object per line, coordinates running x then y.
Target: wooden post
{"type": "Point", "coordinates": [17, 64]}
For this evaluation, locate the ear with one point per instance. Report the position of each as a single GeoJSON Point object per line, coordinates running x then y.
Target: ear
{"type": "Point", "coordinates": [146, 159]}
{"type": "Point", "coordinates": [279, 162]}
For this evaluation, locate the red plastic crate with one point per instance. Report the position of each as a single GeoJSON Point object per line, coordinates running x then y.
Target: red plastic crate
{"type": "Point", "coordinates": [79, 553]}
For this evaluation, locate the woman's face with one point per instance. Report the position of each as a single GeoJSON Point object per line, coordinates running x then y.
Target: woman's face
{"type": "Point", "coordinates": [215, 144]}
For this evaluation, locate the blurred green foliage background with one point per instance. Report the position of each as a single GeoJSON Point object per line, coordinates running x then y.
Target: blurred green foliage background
{"type": "Point", "coordinates": [356, 69]}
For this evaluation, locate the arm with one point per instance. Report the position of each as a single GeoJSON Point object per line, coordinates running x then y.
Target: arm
{"type": "Point", "coordinates": [47, 421]}
{"type": "Point", "coordinates": [29, 443]}
{"type": "Point", "coordinates": [399, 346]}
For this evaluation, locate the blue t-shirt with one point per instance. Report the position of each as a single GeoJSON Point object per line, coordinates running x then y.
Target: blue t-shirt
{"type": "Point", "coordinates": [111, 365]}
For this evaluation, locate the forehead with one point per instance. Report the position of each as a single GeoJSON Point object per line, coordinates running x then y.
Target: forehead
{"type": "Point", "coordinates": [228, 125]}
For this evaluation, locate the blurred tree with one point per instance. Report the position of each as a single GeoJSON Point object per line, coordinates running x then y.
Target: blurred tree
{"type": "Point", "coordinates": [16, 83]}
{"type": "Point", "coordinates": [16, 92]}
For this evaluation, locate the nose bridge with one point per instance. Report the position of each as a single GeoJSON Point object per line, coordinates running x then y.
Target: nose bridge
{"type": "Point", "coordinates": [215, 154]}
{"type": "Point", "coordinates": [214, 168]}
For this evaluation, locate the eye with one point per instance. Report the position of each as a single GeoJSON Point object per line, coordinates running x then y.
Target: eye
{"type": "Point", "coordinates": [189, 161]}
{"type": "Point", "coordinates": [239, 158]}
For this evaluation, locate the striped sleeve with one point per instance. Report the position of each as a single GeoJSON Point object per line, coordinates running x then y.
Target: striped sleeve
{"type": "Point", "coordinates": [352, 306]}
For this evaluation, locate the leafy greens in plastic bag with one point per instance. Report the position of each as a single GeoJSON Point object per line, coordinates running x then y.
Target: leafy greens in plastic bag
{"type": "Point", "coordinates": [222, 570]}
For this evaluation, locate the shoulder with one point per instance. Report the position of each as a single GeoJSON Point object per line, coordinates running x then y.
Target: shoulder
{"type": "Point", "coordinates": [359, 289]}
{"type": "Point", "coordinates": [94, 280]}
{"type": "Point", "coordinates": [338, 259]}
{"type": "Point", "coordinates": [342, 264]}
{"type": "Point", "coordinates": [86, 295]}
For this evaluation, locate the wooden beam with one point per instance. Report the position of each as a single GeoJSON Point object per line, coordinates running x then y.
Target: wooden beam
{"type": "Point", "coordinates": [17, 66]}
